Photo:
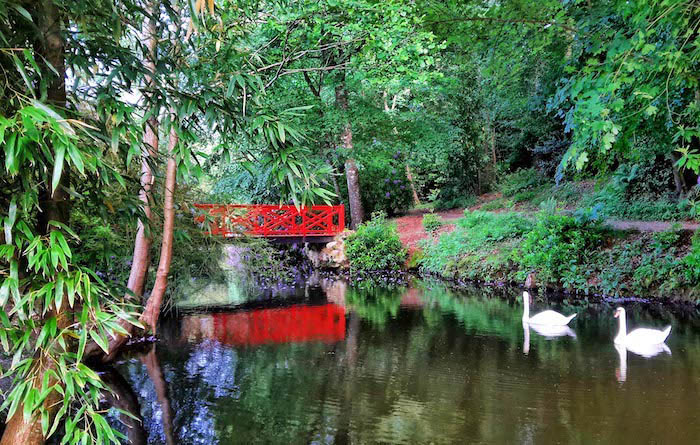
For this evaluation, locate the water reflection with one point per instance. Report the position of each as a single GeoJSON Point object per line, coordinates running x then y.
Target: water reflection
{"type": "Point", "coordinates": [298, 323]}
{"type": "Point", "coordinates": [408, 365]}
{"type": "Point", "coordinates": [552, 332]}
{"type": "Point", "coordinates": [548, 332]}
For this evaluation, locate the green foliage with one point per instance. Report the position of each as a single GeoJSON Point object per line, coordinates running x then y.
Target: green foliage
{"type": "Point", "coordinates": [383, 182]}
{"type": "Point", "coordinates": [458, 202]}
{"type": "Point", "coordinates": [239, 185]}
{"type": "Point", "coordinates": [636, 78]}
{"type": "Point", "coordinates": [559, 245]}
{"type": "Point", "coordinates": [375, 246]}
{"type": "Point", "coordinates": [522, 181]}
{"type": "Point", "coordinates": [566, 251]}
{"type": "Point", "coordinates": [692, 260]}
{"type": "Point", "coordinates": [477, 233]}
{"type": "Point", "coordinates": [640, 192]}
{"type": "Point", "coordinates": [432, 222]}
{"type": "Point", "coordinates": [495, 204]}
{"type": "Point", "coordinates": [102, 247]}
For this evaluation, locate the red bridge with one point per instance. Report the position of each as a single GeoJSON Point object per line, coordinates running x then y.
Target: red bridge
{"type": "Point", "coordinates": [282, 222]}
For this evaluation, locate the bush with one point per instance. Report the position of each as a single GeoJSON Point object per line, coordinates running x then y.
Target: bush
{"type": "Point", "coordinates": [691, 262]}
{"type": "Point", "coordinates": [640, 192]}
{"type": "Point", "coordinates": [375, 246]}
{"type": "Point", "coordinates": [559, 244]}
{"type": "Point", "coordinates": [520, 181]}
{"type": "Point", "coordinates": [432, 222]}
{"type": "Point", "coordinates": [496, 204]}
{"type": "Point", "coordinates": [385, 187]}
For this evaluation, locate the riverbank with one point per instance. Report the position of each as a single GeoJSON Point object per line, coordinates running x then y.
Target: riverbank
{"type": "Point", "coordinates": [569, 251]}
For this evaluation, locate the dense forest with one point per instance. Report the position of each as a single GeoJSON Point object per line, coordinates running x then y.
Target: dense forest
{"type": "Point", "coordinates": [117, 116]}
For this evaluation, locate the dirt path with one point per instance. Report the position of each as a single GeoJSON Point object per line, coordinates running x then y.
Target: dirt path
{"type": "Point", "coordinates": [411, 230]}
{"type": "Point", "coordinates": [650, 226]}
{"type": "Point", "coordinates": [410, 226]}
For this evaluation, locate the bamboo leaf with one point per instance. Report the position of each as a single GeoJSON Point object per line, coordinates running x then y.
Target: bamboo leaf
{"type": "Point", "coordinates": [101, 341]}
{"type": "Point", "coordinates": [57, 167]}
{"type": "Point", "coordinates": [23, 12]}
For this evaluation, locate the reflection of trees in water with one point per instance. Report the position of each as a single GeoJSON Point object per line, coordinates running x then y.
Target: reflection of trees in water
{"type": "Point", "coordinates": [452, 371]}
{"type": "Point", "coordinates": [176, 398]}
{"type": "Point", "coordinates": [374, 303]}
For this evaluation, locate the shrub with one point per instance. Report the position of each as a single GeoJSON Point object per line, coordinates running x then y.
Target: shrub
{"type": "Point", "coordinates": [559, 244]}
{"type": "Point", "coordinates": [493, 205]}
{"type": "Point", "coordinates": [375, 246]}
{"type": "Point", "coordinates": [383, 181]}
{"type": "Point", "coordinates": [691, 262]}
{"type": "Point", "coordinates": [432, 222]}
{"type": "Point", "coordinates": [640, 192]}
{"type": "Point", "coordinates": [520, 181]}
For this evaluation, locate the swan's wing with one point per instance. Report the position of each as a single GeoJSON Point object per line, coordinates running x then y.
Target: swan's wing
{"type": "Point", "coordinates": [643, 336]}
{"type": "Point", "coordinates": [549, 318]}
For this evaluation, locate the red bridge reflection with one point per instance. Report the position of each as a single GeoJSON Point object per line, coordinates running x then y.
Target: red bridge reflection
{"type": "Point", "coordinates": [295, 324]}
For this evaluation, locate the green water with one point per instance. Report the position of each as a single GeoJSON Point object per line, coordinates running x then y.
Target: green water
{"type": "Point", "coordinates": [411, 365]}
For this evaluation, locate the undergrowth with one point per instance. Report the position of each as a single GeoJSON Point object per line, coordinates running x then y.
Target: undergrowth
{"type": "Point", "coordinates": [574, 252]}
{"type": "Point", "coordinates": [375, 246]}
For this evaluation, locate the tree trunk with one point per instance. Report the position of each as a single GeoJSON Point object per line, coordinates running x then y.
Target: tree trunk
{"type": "Point", "coordinates": [54, 207]}
{"type": "Point", "coordinates": [493, 147]}
{"type": "Point", "coordinates": [155, 301]}
{"type": "Point", "coordinates": [357, 213]}
{"type": "Point", "coordinates": [678, 179]}
{"type": "Point", "coordinates": [409, 176]}
{"type": "Point", "coordinates": [336, 187]}
{"type": "Point", "coordinates": [142, 243]}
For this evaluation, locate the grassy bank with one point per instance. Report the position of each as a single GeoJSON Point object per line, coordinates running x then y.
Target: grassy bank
{"type": "Point", "coordinates": [626, 194]}
{"type": "Point", "coordinates": [566, 251]}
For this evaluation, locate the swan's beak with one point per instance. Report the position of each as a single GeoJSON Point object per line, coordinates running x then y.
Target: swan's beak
{"type": "Point", "coordinates": [617, 314]}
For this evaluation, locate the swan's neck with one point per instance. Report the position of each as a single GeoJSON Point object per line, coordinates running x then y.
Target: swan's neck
{"type": "Point", "coordinates": [623, 328]}
{"type": "Point", "coordinates": [526, 310]}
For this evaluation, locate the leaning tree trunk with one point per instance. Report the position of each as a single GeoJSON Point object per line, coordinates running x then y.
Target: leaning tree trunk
{"type": "Point", "coordinates": [678, 179]}
{"type": "Point", "coordinates": [357, 214]}
{"type": "Point", "coordinates": [409, 176]}
{"type": "Point", "coordinates": [53, 207]}
{"type": "Point", "coordinates": [155, 301]}
{"type": "Point", "coordinates": [142, 243]}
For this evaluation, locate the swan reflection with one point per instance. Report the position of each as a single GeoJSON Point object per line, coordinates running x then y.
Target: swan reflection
{"type": "Point", "coordinates": [646, 351]}
{"type": "Point", "coordinates": [548, 332]}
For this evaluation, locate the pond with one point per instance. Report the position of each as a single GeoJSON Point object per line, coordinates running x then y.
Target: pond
{"type": "Point", "coordinates": [334, 363]}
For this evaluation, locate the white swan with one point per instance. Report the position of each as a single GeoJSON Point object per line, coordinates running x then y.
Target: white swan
{"type": "Point", "coordinates": [639, 339]}
{"type": "Point", "coordinates": [548, 318]}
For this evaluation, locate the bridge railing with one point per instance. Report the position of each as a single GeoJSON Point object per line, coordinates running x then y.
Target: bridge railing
{"type": "Point", "coordinates": [272, 221]}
